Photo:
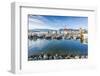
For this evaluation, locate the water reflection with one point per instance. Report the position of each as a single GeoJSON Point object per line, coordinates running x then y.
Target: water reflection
{"type": "Point", "coordinates": [53, 47]}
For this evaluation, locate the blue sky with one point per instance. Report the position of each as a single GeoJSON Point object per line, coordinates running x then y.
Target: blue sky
{"type": "Point", "coordinates": [57, 22]}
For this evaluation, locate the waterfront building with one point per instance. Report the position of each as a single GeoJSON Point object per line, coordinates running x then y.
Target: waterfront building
{"type": "Point", "coordinates": [65, 31]}
{"type": "Point", "coordinates": [81, 35]}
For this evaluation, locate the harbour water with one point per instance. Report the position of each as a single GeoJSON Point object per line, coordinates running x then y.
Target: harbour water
{"type": "Point", "coordinates": [53, 46]}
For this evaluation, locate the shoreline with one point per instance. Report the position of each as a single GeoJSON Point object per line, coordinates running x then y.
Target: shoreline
{"type": "Point", "coordinates": [55, 57]}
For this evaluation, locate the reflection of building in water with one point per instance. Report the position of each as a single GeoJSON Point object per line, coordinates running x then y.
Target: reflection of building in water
{"type": "Point", "coordinates": [85, 38]}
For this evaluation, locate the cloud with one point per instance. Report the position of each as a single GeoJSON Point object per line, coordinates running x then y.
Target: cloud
{"type": "Point", "coordinates": [38, 22]}
{"type": "Point", "coordinates": [53, 22]}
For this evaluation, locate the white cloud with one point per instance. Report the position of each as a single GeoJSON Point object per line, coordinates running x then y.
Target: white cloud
{"type": "Point", "coordinates": [35, 23]}
{"type": "Point", "coordinates": [39, 22]}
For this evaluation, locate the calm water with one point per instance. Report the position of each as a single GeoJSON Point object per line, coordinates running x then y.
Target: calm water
{"type": "Point", "coordinates": [57, 47]}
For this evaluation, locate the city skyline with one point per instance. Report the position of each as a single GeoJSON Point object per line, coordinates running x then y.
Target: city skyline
{"type": "Point", "coordinates": [57, 22]}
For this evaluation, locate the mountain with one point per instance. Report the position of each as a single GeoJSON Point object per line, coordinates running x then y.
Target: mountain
{"type": "Point", "coordinates": [46, 30]}
{"type": "Point", "coordinates": [42, 30]}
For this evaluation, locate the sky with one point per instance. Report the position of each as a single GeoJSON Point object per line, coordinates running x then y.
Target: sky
{"type": "Point", "coordinates": [57, 22]}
